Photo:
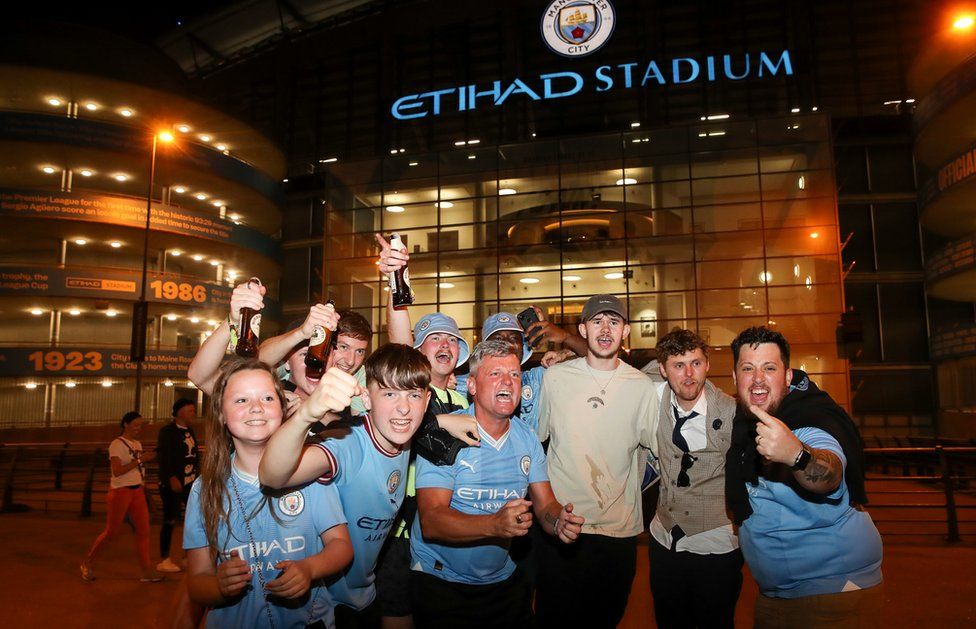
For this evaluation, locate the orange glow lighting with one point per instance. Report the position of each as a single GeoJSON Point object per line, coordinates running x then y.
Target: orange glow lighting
{"type": "Point", "coordinates": [963, 22]}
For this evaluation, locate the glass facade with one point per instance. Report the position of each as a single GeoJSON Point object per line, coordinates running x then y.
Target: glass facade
{"type": "Point", "coordinates": [715, 227]}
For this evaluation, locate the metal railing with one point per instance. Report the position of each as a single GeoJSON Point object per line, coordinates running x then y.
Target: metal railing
{"type": "Point", "coordinates": [940, 470]}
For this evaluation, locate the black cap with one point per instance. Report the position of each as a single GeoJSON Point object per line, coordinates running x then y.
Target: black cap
{"type": "Point", "coordinates": [603, 303]}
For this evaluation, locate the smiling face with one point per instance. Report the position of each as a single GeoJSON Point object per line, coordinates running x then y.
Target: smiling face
{"type": "Point", "coordinates": [604, 334]}
{"type": "Point", "coordinates": [348, 353]}
{"type": "Point", "coordinates": [442, 352]}
{"type": "Point", "coordinates": [396, 413]}
{"type": "Point", "coordinates": [496, 385]}
{"type": "Point", "coordinates": [686, 375]}
{"type": "Point", "coordinates": [250, 406]}
{"type": "Point", "coordinates": [760, 376]}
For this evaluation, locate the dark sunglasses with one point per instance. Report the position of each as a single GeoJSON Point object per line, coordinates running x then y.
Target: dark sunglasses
{"type": "Point", "coordinates": [686, 462]}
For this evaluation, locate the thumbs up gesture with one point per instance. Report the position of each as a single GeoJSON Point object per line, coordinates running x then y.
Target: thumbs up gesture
{"type": "Point", "coordinates": [774, 439]}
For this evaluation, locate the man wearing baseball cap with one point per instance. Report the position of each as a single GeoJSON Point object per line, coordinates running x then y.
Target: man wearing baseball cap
{"type": "Point", "coordinates": [600, 416]}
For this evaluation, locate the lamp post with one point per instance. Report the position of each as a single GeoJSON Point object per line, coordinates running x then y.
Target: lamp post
{"type": "Point", "coordinates": [140, 310]}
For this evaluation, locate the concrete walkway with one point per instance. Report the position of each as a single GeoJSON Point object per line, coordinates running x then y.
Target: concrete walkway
{"type": "Point", "coordinates": [928, 583]}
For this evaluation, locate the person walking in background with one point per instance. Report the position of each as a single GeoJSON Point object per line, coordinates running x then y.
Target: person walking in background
{"type": "Point", "coordinates": [177, 449]}
{"type": "Point", "coordinates": [126, 495]}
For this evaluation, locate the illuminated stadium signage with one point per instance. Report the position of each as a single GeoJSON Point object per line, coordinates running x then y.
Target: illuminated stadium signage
{"type": "Point", "coordinates": [575, 28]}
{"type": "Point", "coordinates": [677, 71]}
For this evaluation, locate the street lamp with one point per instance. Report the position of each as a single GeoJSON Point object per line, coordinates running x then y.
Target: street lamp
{"type": "Point", "coordinates": [140, 310]}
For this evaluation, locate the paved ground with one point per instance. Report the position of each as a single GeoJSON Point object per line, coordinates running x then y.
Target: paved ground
{"type": "Point", "coordinates": [928, 583]}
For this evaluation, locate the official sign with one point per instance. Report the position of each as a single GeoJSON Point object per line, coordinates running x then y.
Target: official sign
{"type": "Point", "coordinates": [89, 361]}
{"type": "Point", "coordinates": [111, 284]}
{"type": "Point", "coordinates": [99, 208]}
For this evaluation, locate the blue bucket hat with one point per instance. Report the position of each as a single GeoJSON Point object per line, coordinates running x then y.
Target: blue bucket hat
{"type": "Point", "coordinates": [438, 323]}
{"type": "Point", "coordinates": [505, 321]}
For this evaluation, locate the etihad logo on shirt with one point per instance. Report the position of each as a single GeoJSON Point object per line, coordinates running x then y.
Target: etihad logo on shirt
{"type": "Point", "coordinates": [264, 548]}
{"type": "Point", "coordinates": [491, 493]}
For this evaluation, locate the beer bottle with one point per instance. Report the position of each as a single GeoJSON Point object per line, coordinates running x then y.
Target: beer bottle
{"type": "Point", "coordinates": [400, 279]}
{"type": "Point", "coordinates": [250, 329]}
{"type": "Point", "coordinates": [318, 350]}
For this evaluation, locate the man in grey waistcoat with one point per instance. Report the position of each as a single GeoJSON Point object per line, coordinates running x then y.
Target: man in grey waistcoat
{"type": "Point", "coordinates": [696, 564]}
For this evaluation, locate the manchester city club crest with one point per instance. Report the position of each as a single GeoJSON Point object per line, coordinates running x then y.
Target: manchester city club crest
{"type": "Point", "coordinates": [504, 319]}
{"type": "Point", "coordinates": [425, 325]}
{"type": "Point", "coordinates": [292, 504]}
{"type": "Point", "coordinates": [525, 463]}
{"type": "Point", "coordinates": [576, 28]}
{"type": "Point", "coordinates": [393, 481]}
{"type": "Point", "coordinates": [526, 393]}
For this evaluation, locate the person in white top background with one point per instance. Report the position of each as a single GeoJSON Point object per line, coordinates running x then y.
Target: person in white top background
{"type": "Point", "coordinates": [126, 496]}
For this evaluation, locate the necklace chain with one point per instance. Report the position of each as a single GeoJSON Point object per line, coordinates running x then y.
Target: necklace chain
{"type": "Point", "coordinates": [253, 549]}
{"type": "Point", "coordinates": [603, 387]}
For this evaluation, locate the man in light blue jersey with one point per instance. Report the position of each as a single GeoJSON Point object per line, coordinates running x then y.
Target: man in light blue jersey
{"type": "Point", "coordinates": [469, 511]}
{"type": "Point", "coordinates": [368, 465]}
{"type": "Point", "coordinates": [506, 327]}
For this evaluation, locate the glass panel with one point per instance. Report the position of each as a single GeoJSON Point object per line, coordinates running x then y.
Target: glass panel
{"type": "Point", "coordinates": [811, 183]}
{"type": "Point", "coordinates": [800, 300]}
{"type": "Point", "coordinates": [802, 270]}
{"type": "Point", "coordinates": [795, 157]}
{"type": "Point", "coordinates": [731, 302]}
{"type": "Point", "coordinates": [725, 190]}
{"type": "Point", "coordinates": [529, 285]}
{"type": "Point", "coordinates": [482, 288]}
{"type": "Point", "coordinates": [817, 241]}
{"type": "Point", "coordinates": [661, 249]}
{"type": "Point", "coordinates": [731, 274]}
{"type": "Point", "coordinates": [658, 223]}
{"type": "Point", "coordinates": [658, 277]}
{"type": "Point", "coordinates": [594, 254]}
{"type": "Point", "coordinates": [729, 245]}
{"type": "Point", "coordinates": [799, 212]}
{"type": "Point", "coordinates": [724, 163]}
{"type": "Point", "coordinates": [350, 221]}
{"type": "Point", "coordinates": [793, 129]}
{"type": "Point", "coordinates": [467, 210]}
{"type": "Point", "coordinates": [524, 206]}
{"type": "Point", "coordinates": [732, 217]}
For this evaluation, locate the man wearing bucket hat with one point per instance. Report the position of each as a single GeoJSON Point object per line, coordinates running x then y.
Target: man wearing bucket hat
{"type": "Point", "coordinates": [600, 416]}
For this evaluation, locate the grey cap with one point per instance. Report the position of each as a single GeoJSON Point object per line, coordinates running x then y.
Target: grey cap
{"type": "Point", "coordinates": [603, 303]}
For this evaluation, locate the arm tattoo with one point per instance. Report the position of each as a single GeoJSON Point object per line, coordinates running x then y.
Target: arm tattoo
{"type": "Point", "coordinates": [823, 472]}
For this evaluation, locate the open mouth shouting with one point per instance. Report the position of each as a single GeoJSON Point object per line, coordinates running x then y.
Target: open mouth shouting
{"type": "Point", "coordinates": [604, 341]}
{"type": "Point", "coordinates": [759, 395]}
{"type": "Point", "coordinates": [444, 357]}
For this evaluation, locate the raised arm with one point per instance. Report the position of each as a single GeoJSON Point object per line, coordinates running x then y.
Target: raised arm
{"type": "Point", "coordinates": [286, 461]}
{"type": "Point", "coordinates": [205, 366]}
{"type": "Point", "coordinates": [443, 524]}
{"type": "Point", "coordinates": [275, 349]}
{"type": "Point", "coordinates": [775, 441]}
{"type": "Point", "coordinates": [397, 320]}
{"type": "Point", "coordinates": [543, 329]}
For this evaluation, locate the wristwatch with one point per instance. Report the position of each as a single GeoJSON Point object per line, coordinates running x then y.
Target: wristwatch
{"type": "Point", "coordinates": [802, 459]}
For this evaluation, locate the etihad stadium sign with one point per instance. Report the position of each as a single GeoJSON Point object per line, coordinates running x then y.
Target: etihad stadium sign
{"type": "Point", "coordinates": [604, 78]}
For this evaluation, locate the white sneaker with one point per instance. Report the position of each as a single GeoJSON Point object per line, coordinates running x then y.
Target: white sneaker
{"type": "Point", "coordinates": [167, 565]}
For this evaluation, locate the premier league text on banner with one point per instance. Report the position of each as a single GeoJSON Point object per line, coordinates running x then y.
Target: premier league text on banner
{"type": "Point", "coordinates": [679, 70]}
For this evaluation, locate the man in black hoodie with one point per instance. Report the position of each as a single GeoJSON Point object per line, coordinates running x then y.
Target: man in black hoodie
{"type": "Point", "coordinates": [177, 447]}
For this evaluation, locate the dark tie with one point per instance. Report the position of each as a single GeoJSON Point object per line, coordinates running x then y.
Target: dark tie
{"type": "Point", "coordinates": [686, 462]}
{"type": "Point", "coordinates": [679, 421]}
